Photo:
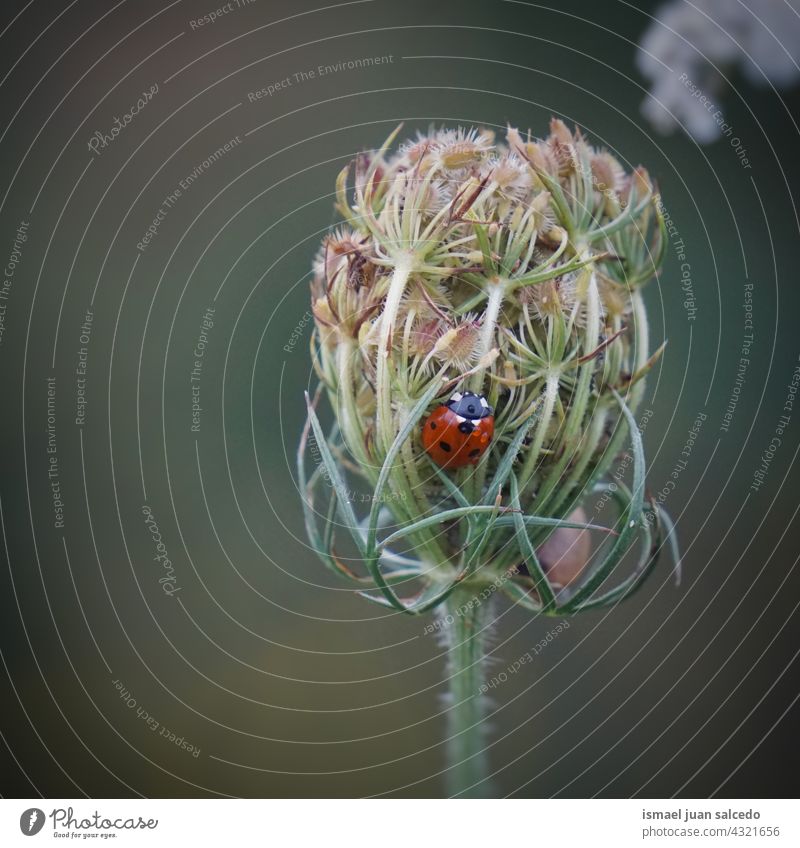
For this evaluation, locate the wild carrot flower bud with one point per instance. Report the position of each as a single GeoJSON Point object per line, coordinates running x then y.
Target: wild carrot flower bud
{"type": "Point", "coordinates": [478, 279]}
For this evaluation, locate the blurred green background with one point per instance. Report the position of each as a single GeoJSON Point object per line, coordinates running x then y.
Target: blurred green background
{"type": "Point", "coordinates": [288, 683]}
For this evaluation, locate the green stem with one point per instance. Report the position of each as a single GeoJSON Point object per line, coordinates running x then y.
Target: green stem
{"type": "Point", "coordinates": [349, 419]}
{"type": "Point", "coordinates": [467, 622]}
{"type": "Point", "coordinates": [497, 290]}
{"type": "Point", "coordinates": [534, 450]}
{"type": "Point", "coordinates": [634, 396]}
{"type": "Point", "coordinates": [572, 434]}
{"type": "Point", "coordinates": [386, 425]}
{"type": "Point", "coordinates": [397, 287]}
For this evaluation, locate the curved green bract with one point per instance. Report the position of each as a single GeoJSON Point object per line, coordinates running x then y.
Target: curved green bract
{"type": "Point", "coordinates": [488, 527]}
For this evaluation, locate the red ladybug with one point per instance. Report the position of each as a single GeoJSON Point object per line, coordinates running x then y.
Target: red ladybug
{"type": "Point", "coordinates": [458, 432]}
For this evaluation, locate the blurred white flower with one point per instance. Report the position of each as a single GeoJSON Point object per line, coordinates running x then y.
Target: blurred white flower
{"type": "Point", "coordinates": [679, 50]}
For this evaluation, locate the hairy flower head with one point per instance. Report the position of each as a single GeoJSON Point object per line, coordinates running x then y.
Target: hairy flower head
{"type": "Point", "coordinates": [511, 269]}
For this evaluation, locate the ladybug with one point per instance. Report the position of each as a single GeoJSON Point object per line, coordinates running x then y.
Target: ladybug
{"type": "Point", "coordinates": [458, 432]}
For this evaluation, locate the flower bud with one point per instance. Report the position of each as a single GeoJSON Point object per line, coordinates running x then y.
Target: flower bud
{"type": "Point", "coordinates": [469, 268]}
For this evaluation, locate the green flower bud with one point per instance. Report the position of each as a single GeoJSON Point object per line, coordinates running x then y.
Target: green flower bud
{"type": "Point", "coordinates": [512, 270]}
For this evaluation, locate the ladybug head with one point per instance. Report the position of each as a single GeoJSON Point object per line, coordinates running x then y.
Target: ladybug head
{"type": "Point", "coordinates": [469, 405]}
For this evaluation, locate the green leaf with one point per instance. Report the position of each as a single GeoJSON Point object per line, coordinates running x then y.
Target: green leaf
{"type": "Point", "coordinates": [628, 214]}
{"type": "Point", "coordinates": [506, 463]}
{"type": "Point", "coordinates": [471, 303]}
{"type": "Point", "coordinates": [480, 538]}
{"type": "Point", "coordinates": [437, 518]}
{"type": "Point", "coordinates": [549, 273]}
{"type": "Point", "coordinates": [529, 554]}
{"type": "Point", "coordinates": [563, 212]}
{"type": "Point", "coordinates": [516, 244]}
{"type": "Point", "coordinates": [452, 489]}
{"type": "Point", "coordinates": [458, 496]}
{"type": "Point", "coordinates": [585, 202]}
{"type": "Point", "coordinates": [542, 521]}
{"type": "Point", "coordinates": [631, 515]}
{"type": "Point", "coordinates": [320, 545]}
{"type": "Point", "coordinates": [429, 598]}
{"type": "Point", "coordinates": [413, 418]}
{"type": "Point", "coordinates": [672, 540]}
{"type": "Point", "coordinates": [646, 564]}
{"type": "Point", "coordinates": [343, 501]}
{"type": "Point", "coordinates": [486, 250]}
{"type": "Point", "coordinates": [372, 553]}
{"type": "Point", "coordinates": [521, 596]}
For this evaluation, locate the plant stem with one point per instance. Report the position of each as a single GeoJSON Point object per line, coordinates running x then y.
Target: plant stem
{"type": "Point", "coordinates": [347, 409]}
{"type": "Point", "coordinates": [467, 625]}
{"type": "Point", "coordinates": [533, 455]}
{"type": "Point", "coordinates": [397, 286]}
{"type": "Point", "coordinates": [571, 434]}
{"type": "Point", "coordinates": [494, 303]}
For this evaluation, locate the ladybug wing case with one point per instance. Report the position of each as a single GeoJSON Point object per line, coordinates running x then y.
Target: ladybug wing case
{"type": "Point", "coordinates": [452, 441]}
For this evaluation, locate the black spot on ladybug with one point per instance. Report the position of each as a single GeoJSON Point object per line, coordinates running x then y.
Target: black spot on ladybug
{"type": "Point", "coordinates": [433, 425]}
{"type": "Point", "coordinates": [471, 408]}
{"type": "Point", "coordinates": [466, 427]}
{"type": "Point", "coordinates": [475, 452]}
{"type": "Point", "coordinates": [445, 446]}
